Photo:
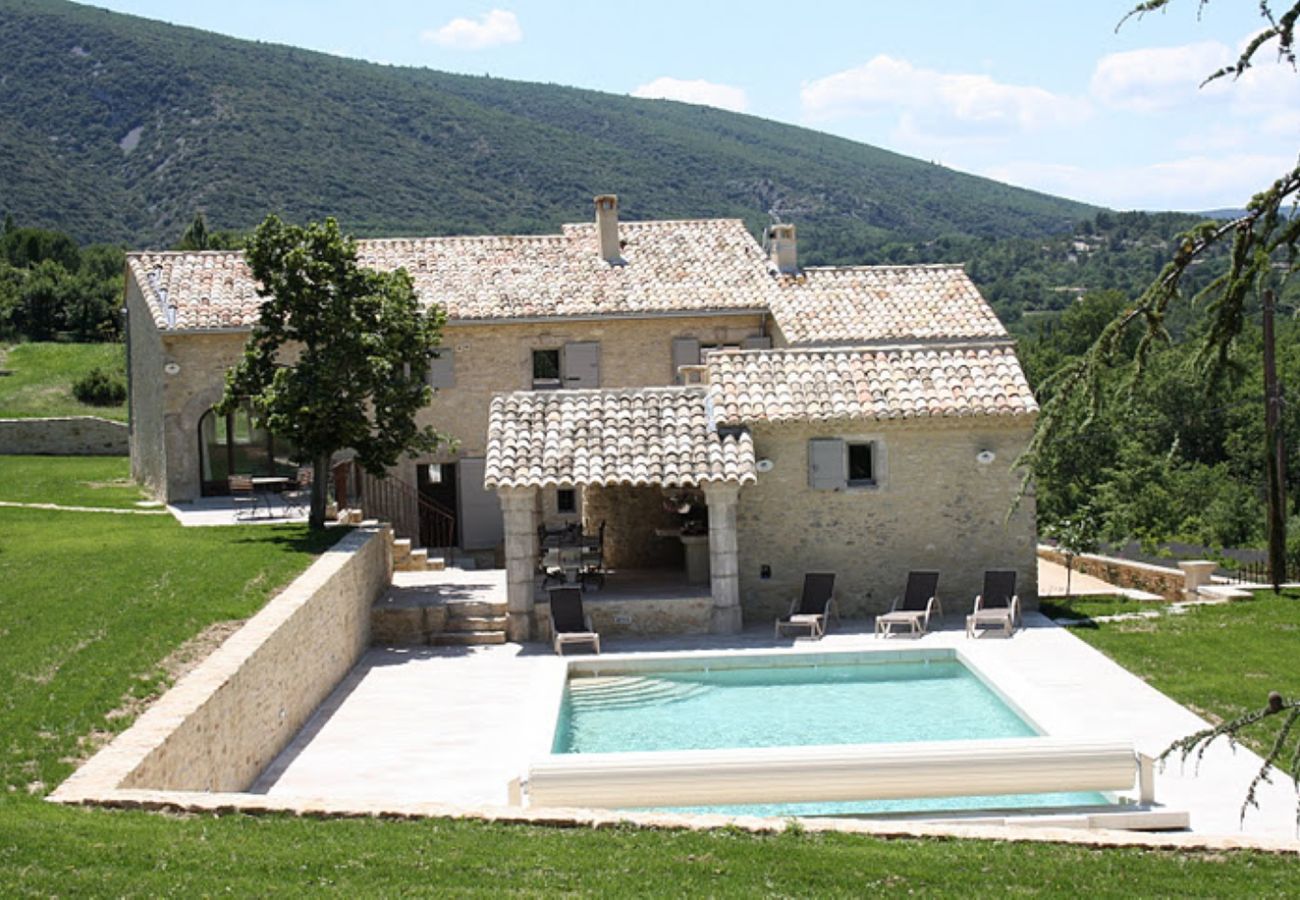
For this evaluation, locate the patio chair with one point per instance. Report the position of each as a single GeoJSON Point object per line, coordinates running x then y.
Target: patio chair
{"type": "Point", "coordinates": [298, 497]}
{"type": "Point", "coordinates": [569, 624]}
{"type": "Point", "coordinates": [997, 606]}
{"type": "Point", "coordinates": [593, 558]}
{"type": "Point", "coordinates": [919, 602]}
{"type": "Point", "coordinates": [811, 609]}
{"type": "Point", "coordinates": [243, 496]}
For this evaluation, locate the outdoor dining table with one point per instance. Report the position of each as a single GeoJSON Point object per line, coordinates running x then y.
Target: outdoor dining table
{"type": "Point", "coordinates": [268, 484]}
{"type": "Point", "coordinates": [563, 550]}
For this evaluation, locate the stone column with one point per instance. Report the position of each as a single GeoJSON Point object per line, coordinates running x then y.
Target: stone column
{"type": "Point", "coordinates": [724, 557]}
{"type": "Point", "coordinates": [520, 510]}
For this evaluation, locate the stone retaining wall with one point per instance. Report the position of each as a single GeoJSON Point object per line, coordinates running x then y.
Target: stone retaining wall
{"type": "Point", "coordinates": [71, 436]}
{"type": "Point", "coordinates": [615, 617]}
{"type": "Point", "coordinates": [222, 724]}
{"type": "Point", "coordinates": [1125, 573]}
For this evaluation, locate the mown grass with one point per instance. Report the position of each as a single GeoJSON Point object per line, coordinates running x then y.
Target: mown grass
{"type": "Point", "coordinates": [89, 606]}
{"type": "Point", "coordinates": [1221, 660]}
{"type": "Point", "coordinates": [1087, 607]}
{"type": "Point", "coordinates": [103, 481]}
{"type": "Point", "coordinates": [39, 376]}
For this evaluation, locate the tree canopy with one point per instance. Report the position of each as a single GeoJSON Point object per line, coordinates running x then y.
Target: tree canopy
{"type": "Point", "coordinates": [339, 358]}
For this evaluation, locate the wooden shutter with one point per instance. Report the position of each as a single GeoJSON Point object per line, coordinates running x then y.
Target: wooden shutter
{"type": "Point", "coordinates": [581, 365]}
{"type": "Point", "coordinates": [757, 342]}
{"type": "Point", "coordinates": [826, 464]}
{"type": "Point", "coordinates": [442, 368]}
{"type": "Point", "coordinates": [686, 352]}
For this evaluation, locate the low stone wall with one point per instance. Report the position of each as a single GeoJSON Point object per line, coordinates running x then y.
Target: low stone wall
{"type": "Point", "coordinates": [71, 436]}
{"type": "Point", "coordinates": [222, 724]}
{"type": "Point", "coordinates": [1125, 573]}
{"type": "Point", "coordinates": [616, 617]}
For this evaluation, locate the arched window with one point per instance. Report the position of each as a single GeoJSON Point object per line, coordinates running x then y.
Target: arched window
{"type": "Point", "coordinates": [237, 444]}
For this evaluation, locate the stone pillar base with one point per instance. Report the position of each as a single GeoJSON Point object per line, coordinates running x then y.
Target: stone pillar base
{"type": "Point", "coordinates": [725, 620]}
{"type": "Point", "coordinates": [519, 627]}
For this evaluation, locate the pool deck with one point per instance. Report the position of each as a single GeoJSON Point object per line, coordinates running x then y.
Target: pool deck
{"type": "Point", "coordinates": [455, 725]}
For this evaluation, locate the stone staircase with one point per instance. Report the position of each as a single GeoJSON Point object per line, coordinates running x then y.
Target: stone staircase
{"type": "Point", "coordinates": [406, 618]}
{"type": "Point", "coordinates": [472, 622]}
{"type": "Point", "coordinates": [414, 559]}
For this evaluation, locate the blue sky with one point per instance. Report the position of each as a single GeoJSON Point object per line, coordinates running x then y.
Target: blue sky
{"type": "Point", "coordinates": [1042, 94]}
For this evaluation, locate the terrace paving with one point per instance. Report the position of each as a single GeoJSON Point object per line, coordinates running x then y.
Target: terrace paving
{"type": "Point", "coordinates": [455, 725]}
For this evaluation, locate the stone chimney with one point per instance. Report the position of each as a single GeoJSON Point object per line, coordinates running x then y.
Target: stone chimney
{"type": "Point", "coordinates": [782, 249]}
{"type": "Point", "coordinates": [607, 228]}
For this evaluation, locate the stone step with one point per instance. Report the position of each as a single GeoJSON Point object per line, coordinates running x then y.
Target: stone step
{"type": "Point", "coordinates": [464, 624]}
{"type": "Point", "coordinates": [436, 564]}
{"type": "Point", "coordinates": [468, 638]}
{"type": "Point", "coordinates": [401, 549]}
{"type": "Point", "coordinates": [470, 608]}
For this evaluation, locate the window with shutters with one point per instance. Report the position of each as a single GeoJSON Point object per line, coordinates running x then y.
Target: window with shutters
{"type": "Point", "coordinates": [835, 464]}
{"type": "Point", "coordinates": [442, 368]}
{"type": "Point", "coordinates": [860, 463]}
{"type": "Point", "coordinates": [546, 369]}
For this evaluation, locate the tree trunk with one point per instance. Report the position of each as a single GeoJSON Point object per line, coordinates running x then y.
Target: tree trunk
{"type": "Point", "coordinates": [1273, 455]}
{"type": "Point", "coordinates": [319, 488]}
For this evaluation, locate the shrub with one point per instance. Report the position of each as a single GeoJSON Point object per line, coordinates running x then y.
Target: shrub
{"type": "Point", "coordinates": [100, 388]}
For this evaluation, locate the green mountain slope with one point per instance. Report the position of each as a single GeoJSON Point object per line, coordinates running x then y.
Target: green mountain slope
{"type": "Point", "coordinates": [118, 128]}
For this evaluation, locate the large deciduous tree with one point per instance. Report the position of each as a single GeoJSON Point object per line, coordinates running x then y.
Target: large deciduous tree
{"type": "Point", "coordinates": [339, 356]}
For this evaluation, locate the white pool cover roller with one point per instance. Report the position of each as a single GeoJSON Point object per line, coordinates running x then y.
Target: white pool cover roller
{"type": "Point", "coordinates": [836, 772]}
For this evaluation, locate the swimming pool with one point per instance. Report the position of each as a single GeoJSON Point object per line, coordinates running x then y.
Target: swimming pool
{"type": "Point", "coordinates": [814, 700]}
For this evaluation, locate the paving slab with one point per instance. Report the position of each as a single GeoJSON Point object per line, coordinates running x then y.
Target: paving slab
{"type": "Point", "coordinates": [455, 725]}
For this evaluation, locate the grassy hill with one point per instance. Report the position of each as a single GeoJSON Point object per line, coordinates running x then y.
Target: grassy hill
{"type": "Point", "coordinates": [117, 128]}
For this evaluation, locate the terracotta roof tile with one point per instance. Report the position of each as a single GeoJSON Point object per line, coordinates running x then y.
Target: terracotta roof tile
{"type": "Point", "coordinates": [669, 266]}
{"type": "Point", "coordinates": [866, 304]}
{"type": "Point", "coordinates": [660, 436]}
{"type": "Point", "coordinates": [866, 383]}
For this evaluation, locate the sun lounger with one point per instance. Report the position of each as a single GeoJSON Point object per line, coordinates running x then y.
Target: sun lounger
{"type": "Point", "coordinates": [569, 625]}
{"type": "Point", "coordinates": [997, 607]}
{"type": "Point", "coordinates": [914, 609]}
{"type": "Point", "coordinates": [811, 609]}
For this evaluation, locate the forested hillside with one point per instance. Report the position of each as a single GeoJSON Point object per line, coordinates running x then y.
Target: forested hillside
{"type": "Point", "coordinates": [115, 128]}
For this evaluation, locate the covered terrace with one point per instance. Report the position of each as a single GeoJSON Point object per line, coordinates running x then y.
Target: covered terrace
{"type": "Point", "coordinates": [640, 444]}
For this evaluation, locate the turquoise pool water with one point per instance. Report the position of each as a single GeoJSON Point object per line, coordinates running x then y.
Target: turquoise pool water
{"type": "Point", "coordinates": [937, 700]}
{"type": "Point", "coordinates": [781, 706]}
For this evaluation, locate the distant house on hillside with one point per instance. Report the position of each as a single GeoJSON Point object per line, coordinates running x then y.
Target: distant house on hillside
{"type": "Point", "coordinates": [861, 420]}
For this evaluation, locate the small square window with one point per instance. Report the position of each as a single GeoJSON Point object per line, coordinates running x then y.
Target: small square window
{"type": "Point", "coordinates": [546, 368]}
{"type": "Point", "coordinates": [566, 500]}
{"type": "Point", "coordinates": [861, 465]}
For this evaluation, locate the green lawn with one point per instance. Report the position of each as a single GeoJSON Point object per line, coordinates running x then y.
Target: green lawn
{"type": "Point", "coordinates": [1218, 660]}
{"type": "Point", "coordinates": [73, 648]}
{"type": "Point", "coordinates": [69, 481]}
{"type": "Point", "coordinates": [39, 377]}
{"type": "Point", "coordinates": [1087, 607]}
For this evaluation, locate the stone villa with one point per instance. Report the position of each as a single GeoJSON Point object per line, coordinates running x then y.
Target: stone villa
{"type": "Point", "coordinates": [860, 420]}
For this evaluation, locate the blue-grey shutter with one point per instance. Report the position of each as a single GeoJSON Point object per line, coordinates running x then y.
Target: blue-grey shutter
{"type": "Point", "coordinates": [686, 352]}
{"type": "Point", "coordinates": [442, 368]}
{"type": "Point", "coordinates": [757, 342]}
{"type": "Point", "coordinates": [826, 470]}
{"type": "Point", "coordinates": [581, 365]}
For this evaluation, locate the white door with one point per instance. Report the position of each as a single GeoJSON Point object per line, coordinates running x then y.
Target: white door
{"type": "Point", "coordinates": [481, 525]}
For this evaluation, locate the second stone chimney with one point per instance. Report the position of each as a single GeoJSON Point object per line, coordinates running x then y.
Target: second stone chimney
{"type": "Point", "coordinates": [782, 248]}
{"type": "Point", "coordinates": [607, 229]}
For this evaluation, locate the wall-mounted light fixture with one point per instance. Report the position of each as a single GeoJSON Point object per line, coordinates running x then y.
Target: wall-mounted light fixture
{"type": "Point", "coordinates": [984, 457]}
{"type": "Point", "coordinates": [172, 368]}
{"type": "Point", "coordinates": [764, 465]}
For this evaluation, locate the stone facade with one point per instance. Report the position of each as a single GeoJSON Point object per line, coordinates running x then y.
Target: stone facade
{"type": "Point", "coordinates": [498, 357]}
{"type": "Point", "coordinates": [614, 617]}
{"type": "Point", "coordinates": [71, 436]}
{"type": "Point", "coordinates": [631, 516]}
{"type": "Point", "coordinates": [934, 507]}
{"type": "Point", "coordinates": [488, 359]}
{"type": "Point", "coordinates": [223, 723]}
